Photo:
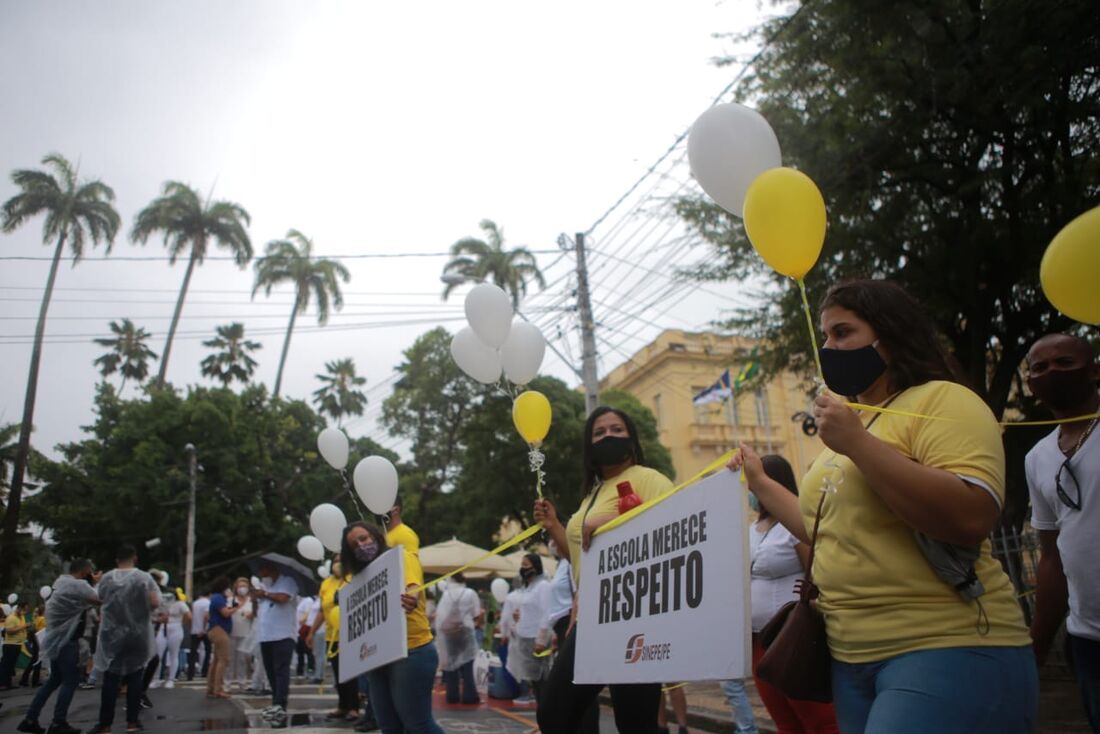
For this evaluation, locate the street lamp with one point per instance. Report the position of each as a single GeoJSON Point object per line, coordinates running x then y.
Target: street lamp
{"type": "Point", "coordinates": [189, 567]}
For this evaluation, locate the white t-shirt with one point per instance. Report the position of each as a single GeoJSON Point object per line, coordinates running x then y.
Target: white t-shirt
{"type": "Point", "coordinates": [561, 598]}
{"type": "Point", "coordinates": [199, 610]}
{"type": "Point", "coordinates": [775, 569]}
{"type": "Point", "coordinates": [1078, 530]}
{"type": "Point", "coordinates": [305, 611]}
{"type": "Point", "coordinates": [279, 621]}
{"type": "Point", "coordinates": [532, 607]}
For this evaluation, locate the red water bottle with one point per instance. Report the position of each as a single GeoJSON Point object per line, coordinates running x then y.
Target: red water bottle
{"type": "Point", "coordinates": [628, 498]}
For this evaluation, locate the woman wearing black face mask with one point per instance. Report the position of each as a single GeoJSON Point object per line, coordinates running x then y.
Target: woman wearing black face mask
{"type": "Point", "coordinates": [612, 456]}
{"type": "Point", "coordinates": [922, 623]}
{"type": "Point", "coordinates": [534, 601]}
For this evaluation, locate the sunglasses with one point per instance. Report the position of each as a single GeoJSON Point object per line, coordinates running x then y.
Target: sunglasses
{"type": "Point", "coordinates": [1072, 484]}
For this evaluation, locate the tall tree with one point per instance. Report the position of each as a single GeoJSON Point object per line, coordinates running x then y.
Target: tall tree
{"type": "Point", "coordinates": [339, 395]}
{"type": "Point", "coordinates": [489, 260]}
{"type": "Point", "coordinates": [291, 261]}
{"type": "Point", "coordinates": [190, 225]}
{"type": "Point", "coordinates": [128, 354]}
{"type": "Point", "coordinates": [232, 358]}
{"type": "Point", "coordinates": [951, 141]}
{"type": "Point", "coordinates": [429, 407]}
{"type": "Point", "coordinates": [75, 211]}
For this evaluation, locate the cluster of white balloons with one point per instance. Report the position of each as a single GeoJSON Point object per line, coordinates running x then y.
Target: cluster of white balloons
{"type": "Point", "coordinates": [375, 477]}
{"type": "Point", "coordinates": [728, 147]}
{"type": "Point", "coordinates": [493, 343]}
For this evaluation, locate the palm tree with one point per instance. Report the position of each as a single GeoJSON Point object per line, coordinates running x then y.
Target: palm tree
{"type": "Point", "coordinates": [291, 261]}
{"type": "Point", "coordinates": [9, 434]}
{"type": "Point", "coordinates": [189, 225]}
{"type": "Point", "coordinates": [232, 360]}
{"type": "Point", "coordinates": [478, 260]}
{"type": "Point", "coordinates": [339, 397]}
{"type": "Point", "coordinates": [129, 355]}
{"type": "Point", "coordinates": [75, 211]}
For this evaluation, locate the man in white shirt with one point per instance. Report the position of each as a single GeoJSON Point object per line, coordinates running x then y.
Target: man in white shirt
{"type": "Point", "coordinates": [306, 664]}
{"type": "Point", "coordinates": [199, 610]}
{"type": "Point", "coordinates": [278, 603]}
{"type": "Point", "coordinates": [1063, 476]}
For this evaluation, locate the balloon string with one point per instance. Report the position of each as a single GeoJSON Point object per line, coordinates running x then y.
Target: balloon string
{"type": "Point", "coordinates": [810, 327]}
{"type": "Point", "coordinates": [494, 552]}
{"type": "Point", "coordinates": [537, 459]}
{"type": "Point", "coordinates": [347, 486]}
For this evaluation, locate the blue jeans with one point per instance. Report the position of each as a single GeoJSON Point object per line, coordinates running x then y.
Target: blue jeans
{"type": "Point", "coordinates": [1085, 659]}
{"type": "Point", "coordinates": [743, 720]}
{"type": "Point", "coordinates": [64, 674]}
{"type": "Point", "coordinates": [401, 693]}
{"type": "Point", "coordinates": [968, 690]}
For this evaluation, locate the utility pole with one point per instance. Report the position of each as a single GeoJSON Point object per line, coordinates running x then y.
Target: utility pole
{"type": "Point", "coordinates": [588, 332]}
{"type": "Point", "coordinates": [189, 568]}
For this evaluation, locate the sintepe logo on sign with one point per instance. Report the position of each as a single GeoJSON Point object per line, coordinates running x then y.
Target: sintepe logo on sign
{"type": "Point", "coordinates": [365, 651]}
{"type": "Point", "coordinates": [634, 647]}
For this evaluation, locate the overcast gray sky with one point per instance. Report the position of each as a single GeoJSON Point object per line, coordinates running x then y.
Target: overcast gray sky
{"type": "Point", "coordinates": [375, 129]}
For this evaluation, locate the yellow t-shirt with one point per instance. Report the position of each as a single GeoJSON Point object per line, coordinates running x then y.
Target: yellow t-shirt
{"type": "Point", "coordinates": [879, 594]}
{"type": "Point", "coordinates": [418, 632]}
{"type": "Point", "coordinates": [39, 622]}
{"type": "Point", "coordinates": [406, 536]}
{"type": "Point", "coordinates": [648, 484]}
{"type": "Point", "coordinates": [329, 608]}
{"type": "Point", "coordinates": [12, 623]}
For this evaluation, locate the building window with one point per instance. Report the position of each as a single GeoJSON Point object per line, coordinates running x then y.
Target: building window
{"type": "Point", "coordinates": [658, 413]}
{"type": "Point", "coordinates": [763, 418]}
{"type": "Point", "coordinates": [702, 412]}
{"type": "Point", "coordinates": [677, 347]}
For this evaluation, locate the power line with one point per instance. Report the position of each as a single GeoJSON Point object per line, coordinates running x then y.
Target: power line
{"type": "Point", "coordinates": [230, 258]}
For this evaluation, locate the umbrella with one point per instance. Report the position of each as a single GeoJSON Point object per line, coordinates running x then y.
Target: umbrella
{"type": "Point", "coordinates": [451, 554]}
{"type": "Point", "coordinates": [287, 567]}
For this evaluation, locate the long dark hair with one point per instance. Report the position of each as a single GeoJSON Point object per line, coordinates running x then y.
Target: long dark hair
{"type": "Point", "coordinates": [536, 562]}
{"type": "Point", "coordinates": [902, 327]}
{"type": "Point", "coordinates": [349, 563]}
{"type": "Point", "coordinates": [591, 471]}
{"type": "Point", "coordinates": [778, 469]}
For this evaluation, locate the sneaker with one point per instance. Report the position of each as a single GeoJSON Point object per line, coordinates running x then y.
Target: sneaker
{"type": "Point", "coordinates": [169, 684]}
{"type": "Point", "coordinates": [134, 726]}
{"type": "Point", "coordinates": [62, 729]}
{"type": "Point", "coordinates": [278, 719]}
{"type": "Point", "coordinates": [145, 702]}
{"type": "Point", "coordinates": [366, 724]}
{"type": "Point", "coordinates": [524, 700]}
{"type": "Point", "coordinates": [272, 712]}
{"type": "Point", "coordinates": [155, 684]}
{"type": "Point", "coordinates": [33, 727]}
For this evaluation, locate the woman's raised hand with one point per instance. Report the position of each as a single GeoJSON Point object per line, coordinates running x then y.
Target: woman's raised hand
{"type": "Point", "coordinates": [748, 460]}
{"type": "Point", "coordinates": [546, 513]}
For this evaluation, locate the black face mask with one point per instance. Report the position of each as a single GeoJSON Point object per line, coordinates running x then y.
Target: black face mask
{"type": "Point", "coordinates": [612, 450]}
{"type": "Point", "coordinates": [527, 573]}
{"type": "Point", "coordinates": [1063, 389]}
{"type": "Point", "coordinates": [851, 371]}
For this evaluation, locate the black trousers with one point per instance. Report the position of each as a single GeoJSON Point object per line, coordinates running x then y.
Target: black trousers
{"type": "Point", "coordinates": [33, 671]}
{"type": "Point", "coordinates": [193, 655]}
{"type": "Point", "coordinates": [112, 683]}
{"type": "Point", "coordinates": [305, 655]}
{"type": "Point", "coordinates": [564, 706]}
{"type": "Point", "coordinates": [347, 693]}
{"type": "Point", "coordinates": [276, 656]}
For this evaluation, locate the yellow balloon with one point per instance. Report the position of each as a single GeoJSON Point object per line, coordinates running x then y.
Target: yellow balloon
{"type": "Point", "coordinates": [785, 220]}
{"type": "Point", "coordinates": [1070, 266]}
{"type": "Point", "coordinates": [531, 414]}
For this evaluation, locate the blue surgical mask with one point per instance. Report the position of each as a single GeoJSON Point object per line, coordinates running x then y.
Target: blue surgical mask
{"type": "Point", "coordinates": [754, 503]}
{"type": "Point", "coordinates": [366, 552]}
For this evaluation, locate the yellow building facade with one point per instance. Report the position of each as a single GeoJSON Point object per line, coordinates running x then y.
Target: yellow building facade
{"type": "Point", "coordinates": [666, 374]}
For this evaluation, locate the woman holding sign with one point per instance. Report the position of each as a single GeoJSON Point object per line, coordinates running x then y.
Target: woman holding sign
{"type": "Point", "coordinates": [401, 692]}
{"type": "Point", "coordinates": [612, 458]}
{"type": "Point", "coordinates": [922, 623]}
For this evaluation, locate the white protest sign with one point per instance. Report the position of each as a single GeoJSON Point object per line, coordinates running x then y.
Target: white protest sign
{"type": "Point", "coordinates": [664, 597]}
{"type": "Point", "coordinates": [372, 622]}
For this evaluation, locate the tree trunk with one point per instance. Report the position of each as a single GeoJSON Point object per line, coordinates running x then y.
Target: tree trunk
{"type": "Point", "coordinates": [286, 347]}
{"type": "Point", "coordinates": [23, 449]}
{"type": "Point", "coordinates": [176, 318]}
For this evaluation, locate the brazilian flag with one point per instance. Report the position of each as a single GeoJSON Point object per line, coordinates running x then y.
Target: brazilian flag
{"type": "Point", "coordinates": [750, 369]}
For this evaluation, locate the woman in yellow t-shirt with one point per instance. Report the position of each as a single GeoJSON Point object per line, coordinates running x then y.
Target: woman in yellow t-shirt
{"type": "Point", "coordinates": [400, 692]}
{"type": "Point", "coordinates": [612, 455]}
{"type": "Point", "coordinates": [347, 693]}
{"type": "Point", "coordinates": [15, 634]}
{"type": "Point", "coordinates": [922, 622]}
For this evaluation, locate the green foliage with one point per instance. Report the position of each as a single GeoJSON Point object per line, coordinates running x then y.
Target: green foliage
{"type": "Point", "coordinates": [129, 354]}
{"type": "Point", "coordinates": [339, 396]}
{"type": "Point", "coordinates": [128, 480]}
{"type": "Point", "coordinates": [951, 141]}
{"type": "Point", "coordinates": [477, 260]}
{"type": "Point", "coordinates": [231, 360]}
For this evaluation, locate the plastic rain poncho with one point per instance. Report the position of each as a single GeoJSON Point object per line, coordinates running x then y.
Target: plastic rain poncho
{"type": "Point", "coordinates": [455, 626]}
{"type": "Point", "coordinates": [66, 605]}
{"type": "Point", "coordinates": [126, 621]}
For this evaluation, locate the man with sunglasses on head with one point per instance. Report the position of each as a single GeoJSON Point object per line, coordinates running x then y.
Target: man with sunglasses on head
{"type": "Point", "coordinates": [1063, 475]}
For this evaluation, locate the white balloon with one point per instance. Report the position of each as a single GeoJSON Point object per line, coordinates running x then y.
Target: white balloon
{"type": "Point", "coordinates": [327, 522]}
{"type": "Point", "coordinates": [311, 548]}
{"type": "Point", "coordinates": [255, 581]}
{"type": "Point", "coordinates": [499, 587]}
{"type": "Point", "coordinates": [489, 311]}
{"type": "Point", "coordinates": [521, 356]}
{"type": "Point", "coordinates": [376, 483]}
{"type": "Point", "coordinates": [333, 445]}
{"type": "Point", "coordinates": [475, 358]}
{"type": "Point", "coordinates": [323, 572]}
{"type": "Point", "coordinates": [6, 610]}
{"type": "Point", "coordinates": [328, 564]}
{"type": "Point", "coordinates": [12, 598]}
{"type": "Point", "coordinates": [728, 147]}
{"type": "Point", "coordinates": [45, 592]}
